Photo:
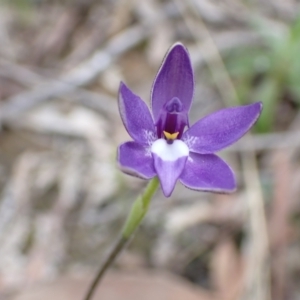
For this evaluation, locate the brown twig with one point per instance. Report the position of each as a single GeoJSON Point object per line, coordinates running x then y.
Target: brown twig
{"type": "Point", "coordinates": [78, 77]}
{"type": "Point", "coordinates": [210, 54]}
{"type": "Point", "coordinates": [257, 280]}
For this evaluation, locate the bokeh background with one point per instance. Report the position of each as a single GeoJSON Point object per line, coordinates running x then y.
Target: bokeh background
{"type": "Point", "coordinates": [62, 197]}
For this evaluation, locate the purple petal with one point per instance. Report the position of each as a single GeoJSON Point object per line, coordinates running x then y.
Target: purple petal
{"type": "Point", "coordinates": [174, 79]}
{"type": "Point", "coordinates": [136, 116]}
{"type": "Point", "coordinates": [222, 128]}
{"type": "Point", "coordinates": [136, 159]}
{"type": "Point", "coordinates": [207, 172]}
{"type": "Point", "coordinates": [169, 162]}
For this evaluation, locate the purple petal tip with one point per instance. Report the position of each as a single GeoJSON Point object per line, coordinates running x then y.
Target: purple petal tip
{"type": "Point", "coordinates": [175, 79]}
{"type": "Point", "coordinates": [136, 116]}
{"type": "Point", "coordinates": [222, 128]}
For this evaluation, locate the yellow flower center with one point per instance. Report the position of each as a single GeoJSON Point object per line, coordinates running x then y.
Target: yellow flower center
{"type": "Point", "coordinates": [171, 136]}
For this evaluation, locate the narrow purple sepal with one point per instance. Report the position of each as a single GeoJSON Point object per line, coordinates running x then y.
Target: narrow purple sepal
{"type": "Point", "coordinates": [136, 116]}
{"type": "Point", "coordinates": [222, 128]}
{"type": "Point", "coordinates": [135, 159]}
{"type": "Point", "coordinates": [207, 172]}
{"type": "Point", "coordinates": [168, 172]}
{"type": "Point", "coordinates": [174, 79]}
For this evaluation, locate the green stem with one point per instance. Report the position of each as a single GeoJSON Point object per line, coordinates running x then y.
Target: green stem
{"type": "Point", "coordinates": [135, 217]}
{"type": "Point", "coordinates": [139, 209]}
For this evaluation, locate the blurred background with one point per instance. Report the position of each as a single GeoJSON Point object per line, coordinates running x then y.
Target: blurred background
{"type": "Point", "coordinates": [62, 197]}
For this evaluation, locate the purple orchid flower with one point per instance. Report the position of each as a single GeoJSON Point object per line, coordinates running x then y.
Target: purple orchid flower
{"type": "Point", "coordinates": [162, 148]}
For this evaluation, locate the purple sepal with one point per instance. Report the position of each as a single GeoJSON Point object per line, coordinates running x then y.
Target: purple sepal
{"type": "Point", "coordinates": [174, 79]}
{"type": "Point", "coordinates": [135, 159]}
{"type": "Point", "coordinates": [168, 172]}
{"type": "Point", "coordinates": [222, 128]}
{"type": "Point", "coordinates": [136, 116]}
{"type": "Point", "coordinates": [207, 172]}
